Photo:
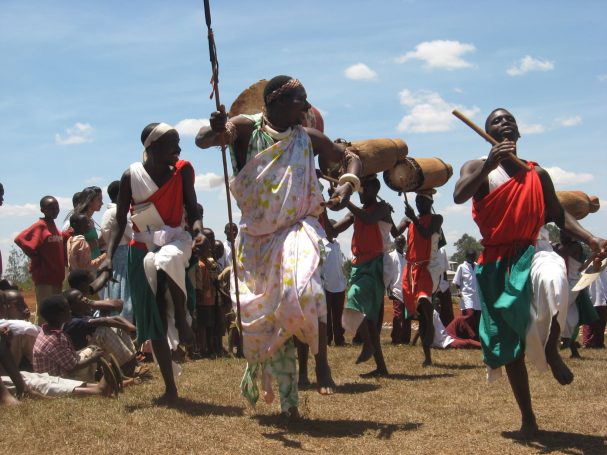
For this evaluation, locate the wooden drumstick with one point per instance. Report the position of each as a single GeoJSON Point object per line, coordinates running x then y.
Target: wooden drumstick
{"type": "Point", "coordinates": [485, 136]}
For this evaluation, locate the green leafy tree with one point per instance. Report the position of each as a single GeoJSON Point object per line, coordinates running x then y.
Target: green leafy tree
{"type": "Point", "coordinates": [465, 242]}
{"type": "Point", "coordinates": [17, 269]}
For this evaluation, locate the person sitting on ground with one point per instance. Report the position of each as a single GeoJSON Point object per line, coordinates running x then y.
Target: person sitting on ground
{"type": "Point", "coordinates": [111, 334]}
{"type": "Point", "coordinates": [14, 316]}
{"type": "Point", "coordinates": [53, 350]}
{"type": "Point", "coordinates": [42, 243]}
{"type": "Point", "coordinates": [82, 280]}
{"type": "Point", "coordinates": [444, 339]}
{"type": "Point", "coordinates": [21, 383]}
{"type": "Point", "coordinates": [79, 255]}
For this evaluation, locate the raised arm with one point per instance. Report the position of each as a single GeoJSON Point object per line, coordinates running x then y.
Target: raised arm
{"type": "Point", "coordinates": [343, 224]}
{"type": "Point", "coordinates": [473, 175]}
{"type": "Point", "coordinates": [381, 211]}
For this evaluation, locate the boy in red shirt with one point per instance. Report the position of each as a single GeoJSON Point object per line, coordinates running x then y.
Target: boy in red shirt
{"type": "Point", "coordinates": [43, 244]}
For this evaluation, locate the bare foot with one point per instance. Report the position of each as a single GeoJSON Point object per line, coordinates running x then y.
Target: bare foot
{"type": "Point", "coordinates": [6, 399]}
{"type": "Point", "coordinates": [377, 373]}
{"type": "Point", "coordinates": [324, 380]}
{"type": "Point", "coordinates": [108, 384]}
{"type": "Point", "coordinates": [366, 353]}
{"type": "Point", "coordinates": [186, 335]}
{"type": "Point", "coordinates": [303, 382]}
{"type": "Point", "coordinates": [117, 372]}
{"type": "Point", "coordinates": [292, 415]}
{"type": "Point", "coordinates": [168, 399]}
{"type": "Point", "coordinates": [560, 371]}
{"type": "Point", "coordinates": [528, 429]}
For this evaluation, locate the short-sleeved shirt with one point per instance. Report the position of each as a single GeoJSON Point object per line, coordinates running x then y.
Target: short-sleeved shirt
{"type": "Point", "coordinates": [79, 329]}
{"type": "Point", "coordinates": [54, 353]}
{"type": "Point", "coordinates": [465, 278]}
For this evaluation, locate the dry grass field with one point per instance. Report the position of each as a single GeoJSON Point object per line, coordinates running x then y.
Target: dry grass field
{"type": "Point", "coordinates": [445, 409]}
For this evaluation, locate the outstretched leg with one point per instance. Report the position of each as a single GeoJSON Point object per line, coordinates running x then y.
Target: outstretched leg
{"type": "Point", "coordinates": [560, 371]}
{"type": "Point", "coordinates": [519, 382]}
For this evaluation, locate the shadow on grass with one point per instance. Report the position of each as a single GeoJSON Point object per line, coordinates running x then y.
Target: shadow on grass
{"type": "Point", "coordinates": [356, 387]}
{"type": "Point", "coordinates": [320, 428]}
{"type": "Point", "coordinates": [420, 377]}
{"type": "Point", "coordinates": [562, 442]}
{"type": "Point", "coordinates": [192, 408]}
{"type": "Point", "coordinates": [455, 366]}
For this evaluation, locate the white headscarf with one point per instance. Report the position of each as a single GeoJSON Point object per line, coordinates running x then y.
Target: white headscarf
{"type": "Point", "coordinates": [159, 130]}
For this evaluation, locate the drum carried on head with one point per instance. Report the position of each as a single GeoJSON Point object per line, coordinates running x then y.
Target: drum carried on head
{"type": "Point", "coordinates": [578, 204]}
{"type": "Point", "coordinates": [417, 174]}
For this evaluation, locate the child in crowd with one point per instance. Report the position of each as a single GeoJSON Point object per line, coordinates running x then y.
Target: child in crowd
{"type": "Point", "coordinates": [79, 253]}
{"type": "Point", "coordinates": [205, 297]}
{"type": "Point", "coordinates": [14, 316]}
{"type": "Point", "coordinates": [110, 333]}
{"type": "Point", "coordinates": [43, 244]}
{"type": "Point", "coordinates": [53, 351]}
{"type": "Point", "coordinates": [26, 382]}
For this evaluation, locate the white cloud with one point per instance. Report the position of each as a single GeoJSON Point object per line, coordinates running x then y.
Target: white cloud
{"type": "Point", "coordinates": [208, 181]}
{"type": "Point", "coordinates": [570, 121]}
{"type": "Point", "coordinates": [602, 77]}
{"type": "Point", "coordinates": [190, 126]}
{"type": "Point", "coordinates": [429, 112]}
{"type": "Point", "coordinates": [531, 128]}
{"type": "Point", "coordinates": [11, 210]}
{"type": "Point", "coordinates": [93, 180]}
{"type": "Point", "coordinates": [78, 134]}
{"type": "Point", "coordinates": [440, 54]}
{"type": "Point", "coordinates": [456, 208]}
{"type": "Point", "coordinates": [562, 177]}
{"type": "Point", "coordinates": [360, 72]}
{"type": "Point", "coordinates": [528, 64]}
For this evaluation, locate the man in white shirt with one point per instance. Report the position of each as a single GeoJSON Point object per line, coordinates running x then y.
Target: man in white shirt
{"type": "Point", "coordinates": [593, 334]}
{"type": "Point", "coordinates": [394, 264]}
{"type": "Point", "coordinates": [465, 280]}
{"type": "Point", "coordinates": [443, 302]}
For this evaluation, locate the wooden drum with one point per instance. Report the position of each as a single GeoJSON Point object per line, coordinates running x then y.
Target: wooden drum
{"type": "Point", "coordinates": [577, 203]}
{"type": "Point", "coordinates": [378, 155]}
{"type": "Point", "coordinates": [418, 174]}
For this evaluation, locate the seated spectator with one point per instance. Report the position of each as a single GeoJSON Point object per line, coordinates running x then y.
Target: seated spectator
{"type": "Point", "coordinates": [14, 316]}
{"type": "Point", "coordinates": [24, 382]}
{"type": "Point", "coordinates": [81, 279]}
{"type": "Point", "coordinates": [111, 334]}
{"type": "Point", "coordinates": [53, 351]}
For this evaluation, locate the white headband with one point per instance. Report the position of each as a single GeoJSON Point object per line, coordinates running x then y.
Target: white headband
{"type": "Point", "coordinates": [157, 133]}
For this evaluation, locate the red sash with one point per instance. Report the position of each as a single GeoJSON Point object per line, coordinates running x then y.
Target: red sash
{"type": "Point", "coordinates": [510, 217]}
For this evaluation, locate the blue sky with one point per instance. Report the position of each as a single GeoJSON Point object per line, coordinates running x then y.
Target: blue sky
{"type": "Point", "coordinates": [80, 80]}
